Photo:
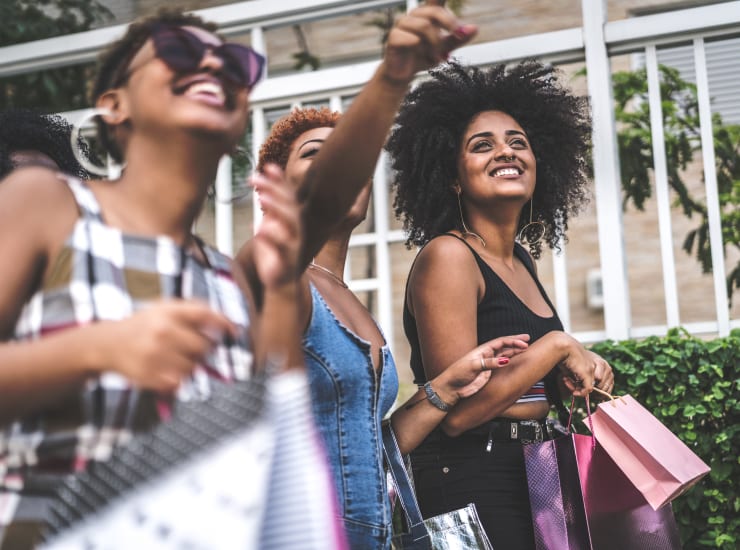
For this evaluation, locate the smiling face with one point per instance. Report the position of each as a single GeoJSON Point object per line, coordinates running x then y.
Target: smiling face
{"type": "Point", "coordinates": [202, 101]}
{"type": "Point", "coordinates": [496, 160]}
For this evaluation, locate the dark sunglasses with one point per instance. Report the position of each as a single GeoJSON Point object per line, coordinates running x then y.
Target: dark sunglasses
{"type": "Point", "coordinates": [183, 52]}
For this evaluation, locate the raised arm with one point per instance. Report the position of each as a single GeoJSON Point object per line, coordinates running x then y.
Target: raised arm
{"type": "Point", "coordinates": [419, 40]}
{"type": "Point", "coordinates": [276, 246]}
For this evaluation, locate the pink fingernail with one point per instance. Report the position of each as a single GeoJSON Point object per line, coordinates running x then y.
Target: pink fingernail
{"type": "Point", "coordinates": [503, 360]}
{"type": "Point", "coordinates": [463, 31]}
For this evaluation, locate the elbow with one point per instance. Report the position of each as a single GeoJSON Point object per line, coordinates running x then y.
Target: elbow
{"type": "Point", "coordinates": [452, 427]}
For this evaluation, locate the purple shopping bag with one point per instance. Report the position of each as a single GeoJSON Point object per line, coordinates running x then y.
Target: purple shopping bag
{"type": "Point", "coordinates": [581, 500]}
{"type": "Point", "coordinates": [555, 497]}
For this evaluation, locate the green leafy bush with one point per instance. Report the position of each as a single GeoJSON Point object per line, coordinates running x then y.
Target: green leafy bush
{"type": "Point", "coordinates": [691, 385]}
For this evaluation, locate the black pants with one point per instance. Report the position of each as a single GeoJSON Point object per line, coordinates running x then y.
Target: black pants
{"type": "Point", "coordinates": [449, 473]}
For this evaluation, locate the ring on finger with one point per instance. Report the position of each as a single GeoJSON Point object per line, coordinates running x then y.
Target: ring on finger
{"type": "Point", "coordinates": [483, 363]}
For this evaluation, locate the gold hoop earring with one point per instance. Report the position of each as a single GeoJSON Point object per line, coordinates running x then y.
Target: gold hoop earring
{"type": "Point", "coordinates": [112, 170]}
{"type": "Point", "coordinates": [467, 232]}
{"type": "Point", "coordinates": [525, 233]}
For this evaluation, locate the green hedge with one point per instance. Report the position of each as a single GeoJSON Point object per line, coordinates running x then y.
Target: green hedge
{"type": "Point", "coordinates": [692, 385]}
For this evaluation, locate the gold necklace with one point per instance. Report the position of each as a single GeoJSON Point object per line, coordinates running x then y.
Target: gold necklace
{"type": "Point", "coordinates": [328, 272]}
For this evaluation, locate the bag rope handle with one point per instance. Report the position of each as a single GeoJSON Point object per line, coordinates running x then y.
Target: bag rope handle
{"type": "Point", "coordinates": [588, 417]}
{"type": "Point", "coordinates": [610, 396]}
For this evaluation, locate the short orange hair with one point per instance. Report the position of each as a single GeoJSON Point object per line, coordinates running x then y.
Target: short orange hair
{"type": "Point", "coordinates": [277, 146]}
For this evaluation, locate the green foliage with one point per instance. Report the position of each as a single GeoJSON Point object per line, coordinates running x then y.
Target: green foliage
{"type": "Point", "coordinates": [691, 386]}
{"type": "Point", "coordinates": [682, 142]}
{"type": "Point", "coordinates": [26, 20]}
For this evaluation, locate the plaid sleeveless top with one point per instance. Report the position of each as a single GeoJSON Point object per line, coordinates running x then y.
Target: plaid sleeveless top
{"type": "Point", "coordinates": [104, 274]}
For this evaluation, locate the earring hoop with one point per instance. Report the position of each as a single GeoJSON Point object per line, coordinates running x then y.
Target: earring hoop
{"type": "Point", "coordinates": [112, 170]}
{"type": "Point", "coordinates": [525, 233]}
{"type": "Point", "coordinates": [467, 232]}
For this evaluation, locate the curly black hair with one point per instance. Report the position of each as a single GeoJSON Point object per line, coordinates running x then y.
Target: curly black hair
{"type": "Point", "coordinates": [29, 130]}
{"type": "Point", "coordinates": [426, 139]}
{"type": "Point", "coordinates": [114, 61]}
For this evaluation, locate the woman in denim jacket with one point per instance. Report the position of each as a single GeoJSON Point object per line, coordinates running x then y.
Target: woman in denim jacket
{"type": "Point", "coordinates": [351, 371]}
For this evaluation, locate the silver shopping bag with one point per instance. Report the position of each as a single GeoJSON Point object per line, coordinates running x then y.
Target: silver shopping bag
{"type": "Point", "coordinates": [459, 529]}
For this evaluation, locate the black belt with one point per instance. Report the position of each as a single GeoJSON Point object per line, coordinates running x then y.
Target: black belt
{"type": "Point", "coordinates": [483, 437]}
{"type": "Point", "coordinates": [510, 431]}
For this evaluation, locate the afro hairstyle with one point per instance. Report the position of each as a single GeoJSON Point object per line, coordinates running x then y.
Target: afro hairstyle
{"type": "Point", "coordinates": [114, 61]}
{"type": "Point", "coordinates": [425, 144]}
{"type": "Point", "coordinates": [28, 130]}
{"type": "Point", "coordinates": [277, 146]}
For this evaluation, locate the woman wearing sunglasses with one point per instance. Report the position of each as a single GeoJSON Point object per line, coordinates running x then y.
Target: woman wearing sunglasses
{"type": "Point", "coordinates": [84, 308]}
{"type": "Point", "coordinates": [110, 308]}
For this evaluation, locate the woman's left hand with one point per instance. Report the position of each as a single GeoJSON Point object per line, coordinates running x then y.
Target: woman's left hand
{"type": "Point", "coordinates": [278, 239]}
{"type": "Point", "coordinates": [603, 374]}
{"type": "Point", "coordinates": [470, 373]}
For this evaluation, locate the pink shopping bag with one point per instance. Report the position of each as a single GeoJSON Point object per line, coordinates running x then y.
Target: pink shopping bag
{"type": "Point", "coordinates": [619, 517]}
{"type": "Point", "coordinates": [659, 464]}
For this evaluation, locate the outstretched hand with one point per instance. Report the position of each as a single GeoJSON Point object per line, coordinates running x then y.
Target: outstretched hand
{"type": "Point", "coordinates": [421, 39]}
{"type": "Point", "coordinates": [470, 373]}
{"type": "Point", "coordinates": [278, 239]}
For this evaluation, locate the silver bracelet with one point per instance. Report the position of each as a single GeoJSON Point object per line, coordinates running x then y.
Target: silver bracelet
{"type": "Point", "coordinates": [435, 399]}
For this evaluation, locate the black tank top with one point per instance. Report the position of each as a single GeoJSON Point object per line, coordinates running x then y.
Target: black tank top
{"type": "Point", "coordinates": [500, 313]}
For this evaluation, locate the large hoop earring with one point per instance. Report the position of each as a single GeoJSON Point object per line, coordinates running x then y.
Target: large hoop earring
{"type": "Point", "coordinates": [112, 170]}
{"type": "Point", "coordinates": [467, 232]}
{"type": "Point", "coordinates": [525, 233]}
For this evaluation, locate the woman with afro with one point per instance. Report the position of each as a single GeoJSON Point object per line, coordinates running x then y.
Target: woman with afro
{"type": "Point", "coordinates": [351, 371]}
{"type": "Point", "coordinates": [486, 159]}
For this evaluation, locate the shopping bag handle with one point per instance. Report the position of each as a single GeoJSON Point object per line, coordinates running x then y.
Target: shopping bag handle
{"type": "Point", "coordinates": [610, 396]}
{"type": "Point", "coordinates": [401, 480]}
{"type": "Point", "coordinates": [588, 416]}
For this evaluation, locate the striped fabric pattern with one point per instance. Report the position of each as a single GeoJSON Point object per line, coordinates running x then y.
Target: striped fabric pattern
{"type": "Point", "coordinates": [104, 274]}
{"type": "Point", "coordinates": [535, 393]}
{"type": "Point", "coordinates": [302, 509]}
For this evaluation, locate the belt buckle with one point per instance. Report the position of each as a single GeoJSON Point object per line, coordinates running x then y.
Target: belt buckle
{"type": "Point", "coordinates": [538, 433]}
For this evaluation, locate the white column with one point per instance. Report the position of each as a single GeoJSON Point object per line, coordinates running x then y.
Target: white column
{"type": "Point", "coordinates": [617, 317]}
{"type": "Point", "coordinates": [258, 137]}
{"type": "Point", "coordinates": [259, 45]}
{"type": "Point", "coordinates": [382, 251]}
{"type": "Point", "coordinates": [562, 295]}
{"type": "Point", "coordinates": [224, 208]}
{"type": "Point", "coordinates": [710, 182]}
{"type": "Point", "coordinates": [661, 188]}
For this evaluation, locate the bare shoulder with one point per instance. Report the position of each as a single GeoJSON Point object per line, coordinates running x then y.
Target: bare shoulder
{"type": "Point", "coordinates": [446, 255]}
{"type": "Point", "coordinates": [446, 270]}
{"type": "Point", "coordinates": [39, 191]}
{"type": "Point", "coordinates": [38, 205]}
